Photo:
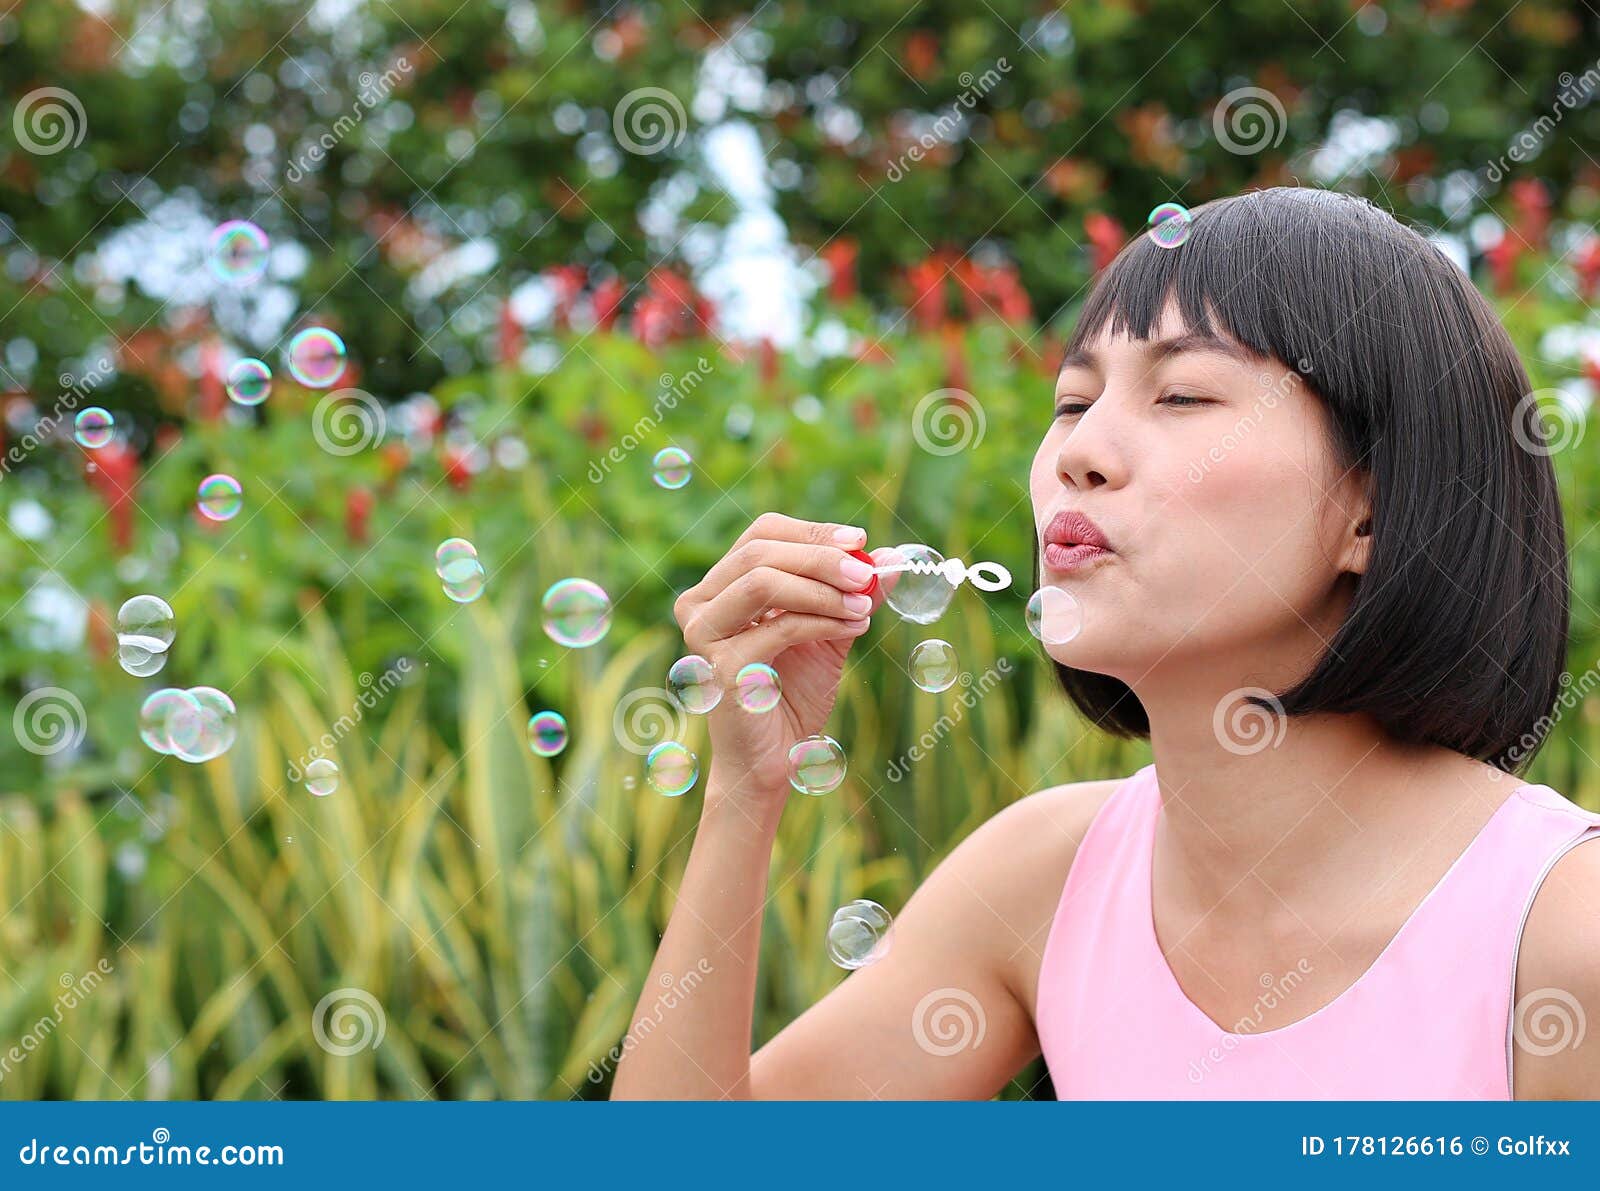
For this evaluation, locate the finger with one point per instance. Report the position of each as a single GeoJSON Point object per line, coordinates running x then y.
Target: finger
{"type": "Point", "coordinates": [778, 634]}
{"type": "Point", "coordinates": [765, 589]}
{"type": "Point", "coordinates": [884, 556]}
{"type": "Point", "coordinates": [778, 527]}
{"type": "Point", "coordinates": [824, 563]}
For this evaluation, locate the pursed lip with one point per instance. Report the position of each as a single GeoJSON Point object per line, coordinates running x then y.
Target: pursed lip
{"type": "Point", "coordinates": [1072, 528]}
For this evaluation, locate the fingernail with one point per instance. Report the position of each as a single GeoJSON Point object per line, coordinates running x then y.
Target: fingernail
{"type": "Point", "coordinates": [849, 535]}
{"type": "Point", "coordinates": [858, 626]}
{"type": "Point", "coordinates": [857, 605]}
{"type": "Point", "coordinates": [854, 570]}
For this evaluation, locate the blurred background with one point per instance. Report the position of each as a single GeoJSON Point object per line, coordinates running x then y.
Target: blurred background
{"type": "Point", "coordinates": [830, 251]}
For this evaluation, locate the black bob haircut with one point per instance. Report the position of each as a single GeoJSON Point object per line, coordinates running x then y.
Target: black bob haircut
{"type": "Point", "coordinates": [1457, 632]}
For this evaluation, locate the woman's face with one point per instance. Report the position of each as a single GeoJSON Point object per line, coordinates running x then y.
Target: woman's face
{"type": "Point", "coordinates": [1230, 523]}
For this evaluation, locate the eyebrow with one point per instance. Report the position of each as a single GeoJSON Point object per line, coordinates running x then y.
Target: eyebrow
{"type": "Point", "coordinates": [1164, 349]}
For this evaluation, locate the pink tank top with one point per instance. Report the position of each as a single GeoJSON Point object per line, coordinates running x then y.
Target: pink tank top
{"type": "Point", "coordinates": [1429, 1020]}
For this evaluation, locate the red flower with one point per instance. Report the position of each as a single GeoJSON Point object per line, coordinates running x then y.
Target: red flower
{"type": "Point", "coordinates": [113, 472]}
{"type": "Point", "coordinates": [455, 468]}
{"type": "Point", "coordinates": [1532, 201]}
{"type": "Point", "coordinates": [567, 280]}
{"type": "Point", "coordinates": [672, 309]}
{"type": "Point", "coordinates": [839, 255]}
{"type": "Point", "coordinates": [358, 504]}
{"type": "Point", "coordinates": [510, 346]}
{"type": "Point", "coordinates": [607, 301]}
{"type": "Point", "coordinates": [1586, 264]}
{"type": "Point", "coordinates": [926, 278]}
{"type": "Point", "coordinates": [1502, 258]}
{"type": "Point", "coordinates": [594, 429]}
{"type": "Point", "coordinates": [211, 393]}
{"type": "Point", "coordinates": [1106, 238]}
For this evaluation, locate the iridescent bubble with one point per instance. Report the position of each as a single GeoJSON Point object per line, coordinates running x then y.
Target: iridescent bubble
{"type": "Point", "coordinates": [463, 579]}
{"type": "Point", "coordinates": [316, 357]}
{"type": "Point", "coordinates": [816, 765]}
{"type": "Point", "coordinates": [577, 612]}
{"type": "Point", "coordinates": [155, 715]}
{"type": "Point", "coordinates": [322, 777]}
{"type": "Point", "coordinates": [757, 688]}
{"type": "Point", "coordinates": [249, 381]}
{"type": "Point", "coordinates": [146, 621]}
{"type": "Point", "coordinates": [693, 683]}
{"type": "Point", "coordinates": [205, 730]}
{"type": "Point", "coordinates": [547, 733]}
{"type": "Point", "coordinates": [672, 467]}
{"type": "Point", "coordinates": [671, 768]}
{"type": "Point", "coordinates": [859, 934]}
{"type": "Point", "coordinates": [1054, 615]}
{"type": "Point", "coordinates": [221, 498]}
{"type": "Point", "coordinates": [452, 550]}
{"type": "Point", "coordinates": [93, 427]}
{"type": "Point", "coordinates": [918, 597]}
{"type": "Point", "coordinates": [933, 665]}
{"type": "Point", "coordinates": [139, 661]}
{"type": "Point", "coordinates": [238, 252]}
{"type": "Point", "coordinates": [1169, 225]}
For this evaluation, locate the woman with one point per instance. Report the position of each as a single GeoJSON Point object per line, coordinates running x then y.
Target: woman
{"type": "Point", "coordinates": [1331, 589]}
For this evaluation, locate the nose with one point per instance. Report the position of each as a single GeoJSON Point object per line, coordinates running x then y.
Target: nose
{"type": "Point", "coordinates": [1089, 456]}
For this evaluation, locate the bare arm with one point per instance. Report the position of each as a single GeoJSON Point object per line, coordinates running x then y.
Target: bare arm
{"type": "Point", "coordinates": [1555, 1055]}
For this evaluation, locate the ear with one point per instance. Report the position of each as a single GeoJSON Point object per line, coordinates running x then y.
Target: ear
{"type": "Point", "coordinates": [1355, 530]}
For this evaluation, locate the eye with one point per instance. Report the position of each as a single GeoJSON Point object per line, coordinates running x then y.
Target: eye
{"type": "Point", "coordinates": [1185, 399]}
{"type": "Point", "coordinates": [1067, 406]}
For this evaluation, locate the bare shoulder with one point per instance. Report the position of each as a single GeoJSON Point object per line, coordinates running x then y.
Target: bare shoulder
{"type": "Point", "coordinates": [1000, 886]}
{"type": "Point", "coordinates": [1558, 982]}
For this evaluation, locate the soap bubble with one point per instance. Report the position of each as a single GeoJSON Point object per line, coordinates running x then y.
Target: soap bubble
{"type": "Point", "coordinates": [139, 661]}
{"type": "Point", "coordinates": [221, 498]}
{"type": "Point", "coordinates": [205, 730]}
{"type": "Point", "coordinates": [671, 768]}
{"type": "Point", "coordinates": [919, 597]}
{"type": "Point", "coordinates": [1169, 225]}
{"type": "Point", "coordinates": [757, 688]}
{"type": "Point", "coordinates": [322, 777]}
{"type": "Point", "coordinates": [155, 715]}
{"type": "Point", "coordinates": [316, 357]}
{"type": "Point", "coordinates": [859, 934]}
{"type": "Point", "coordinates": [463, 579]}
{"type": "Point", "coordinates": [816, 765]}
{"type": "Point", "coordinates": [577, 612]}
{"type": "Point", "coordinates": [671, 468]}
{"type": "Point", "coordinates": [933, 665]}
{"type": "Point", "coordinates": [452, 550]}
{"type": "Point", "coordinates": [1054, 615]}
{"type": "Point", "coordinates": [249, 381]}
{"type": "Point", "coordinates": [93, 427]}
{"type": "Point", "coordinates": [146, 621]}
{"type": "Point", "coordinates": [693, 683]}
{"type": "Point", "coordinates": [238, 252]}
{"type": "Point", "coordinates": [547, 733]}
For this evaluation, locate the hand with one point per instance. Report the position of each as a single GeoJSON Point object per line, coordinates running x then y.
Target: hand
{"type": "Point", "coordinates": [789, 594]}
